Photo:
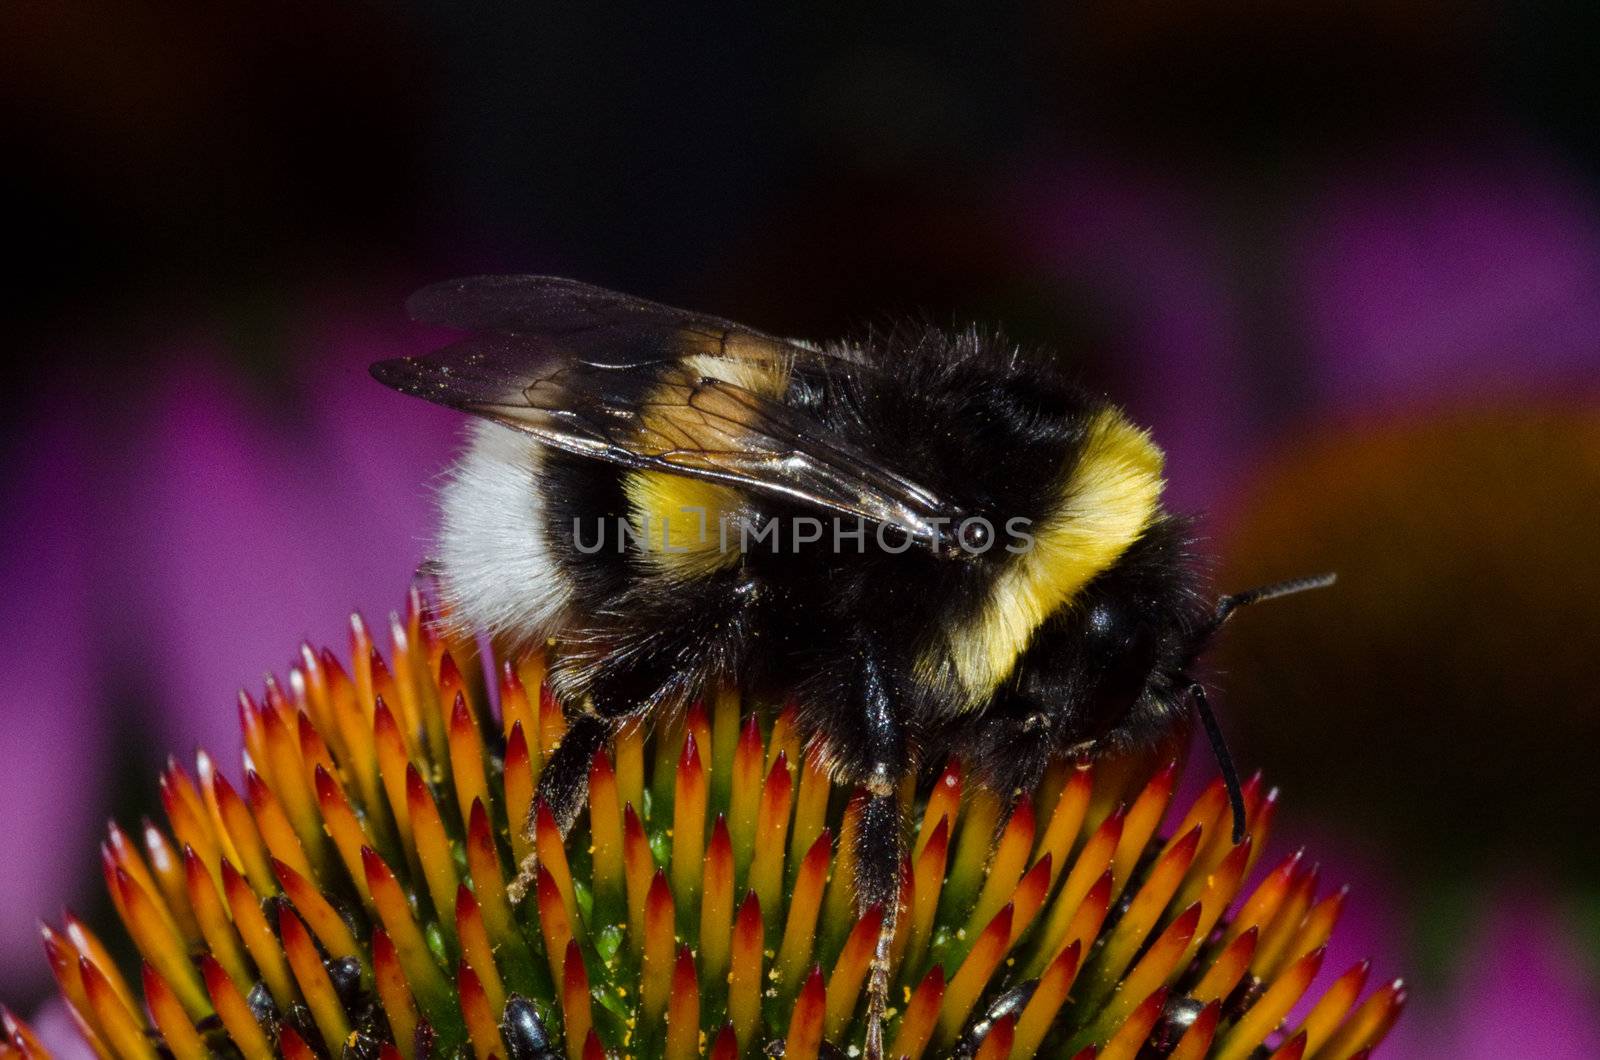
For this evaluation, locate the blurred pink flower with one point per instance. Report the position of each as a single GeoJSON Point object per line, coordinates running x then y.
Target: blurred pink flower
{"type": "Point", "coordinates": [1412, 275]}
{"type": "Point", "coordinates": [259, 524]}
{"type": "Point", "coordinates": [54, 1025]}
{"type": "Point", "coordinates": [1522, 987]}
{"type": "Point", "coordinates": [53, 732]}
{"type": "Point", "coordinates": [225, 516]}
{"type": "Point", "coordinates": [1432, 272]}
{"type": "Point", "coordinates": [1151, 257]}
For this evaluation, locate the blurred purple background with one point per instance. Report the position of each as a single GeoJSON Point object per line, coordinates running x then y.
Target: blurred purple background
{"type": "Point", "coordinates": [1264, 231]}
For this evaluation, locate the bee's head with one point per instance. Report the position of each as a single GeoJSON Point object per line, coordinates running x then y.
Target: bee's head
{"type": "Point", "coordinates": [1114, 671]}
{"type": "Point", "coordinates": [1111, 668]}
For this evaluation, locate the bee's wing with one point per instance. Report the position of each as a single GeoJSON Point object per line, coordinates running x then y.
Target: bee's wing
{"type": "Point", "coordinates": [588, 323]}
{"type": "Point", "coordinates": [643, 385]}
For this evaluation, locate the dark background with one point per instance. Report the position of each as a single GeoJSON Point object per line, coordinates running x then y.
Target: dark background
{"type": "Point", "coordinates": [1343, 257]}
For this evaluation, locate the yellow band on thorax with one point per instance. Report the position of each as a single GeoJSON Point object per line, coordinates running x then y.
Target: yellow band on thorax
{"type": "Point", "coordinates": [1112, 493]}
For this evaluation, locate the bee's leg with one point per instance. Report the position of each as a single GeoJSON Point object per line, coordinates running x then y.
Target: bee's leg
{"type": "Point", "coordinates": [878, 858]}
{"type": "Point", "coordinates": [879, 835]}
{"type": "Point", "coordinates": [563, 785]}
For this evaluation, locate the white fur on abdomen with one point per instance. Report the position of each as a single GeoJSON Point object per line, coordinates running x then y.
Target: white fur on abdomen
{"type": "Point", "coordinates": [495, 564]}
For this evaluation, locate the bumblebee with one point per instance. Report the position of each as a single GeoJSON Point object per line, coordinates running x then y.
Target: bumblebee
{"type": "Point", "coordinates": [928, 542]}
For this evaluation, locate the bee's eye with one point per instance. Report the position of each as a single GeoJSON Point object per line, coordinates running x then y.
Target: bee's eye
{"type": "Point", "coordinates": [975, 536]}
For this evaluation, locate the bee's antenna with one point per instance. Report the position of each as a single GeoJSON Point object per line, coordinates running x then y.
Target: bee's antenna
{"type": "Point", "coordinates": [1226, 606]}
{"type": "Point", "coordinates": [1219, 751]}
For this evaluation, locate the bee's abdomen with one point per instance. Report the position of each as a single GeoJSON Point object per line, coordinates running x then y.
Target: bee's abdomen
{"type": "Point", "coordinates": [498, 571]}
